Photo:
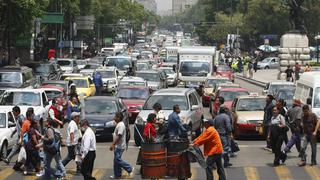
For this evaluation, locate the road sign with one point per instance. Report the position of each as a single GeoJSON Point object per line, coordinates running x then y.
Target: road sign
{"type": "Point", "coordinates": [85, 22]}
{"type": "Point", "coordinates": [61, 44]}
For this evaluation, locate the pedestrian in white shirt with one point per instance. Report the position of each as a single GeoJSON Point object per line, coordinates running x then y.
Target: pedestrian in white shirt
{"type": "Point", "coordinates": [118, 146]}
{"type": "Point", "coordinates": [72, 139]}
{"type": "Point", "coordinates": [88, 150]}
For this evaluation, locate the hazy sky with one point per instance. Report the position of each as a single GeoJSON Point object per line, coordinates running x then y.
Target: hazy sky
{"type": "Point", "coordinates": [163, 4]}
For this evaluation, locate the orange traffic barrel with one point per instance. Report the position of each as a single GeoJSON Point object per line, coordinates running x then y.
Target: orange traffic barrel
{"type": "Point", "coordinates": [153, 160]}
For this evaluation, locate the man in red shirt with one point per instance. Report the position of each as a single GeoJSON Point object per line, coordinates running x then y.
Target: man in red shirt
{"type": "Point", "coordinates": [149, 132]}
{"type": "Point", "coordinates": [212, 149]}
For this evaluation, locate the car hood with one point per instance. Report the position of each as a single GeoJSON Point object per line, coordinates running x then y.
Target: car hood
{"type": "Point", "coordinates": [153, 83]}
{"type": "Point", "coordinates": [251, 115]}
{"type": "Point", "coordinates": [63, 68]}
{"type": "Point", "coordinates": [224, 73]}
{"type": "Point", "coordinates": [134, 102]}
{"type": "Point", "coordinates": [144, 114]}
{"type": "Point", "coordinates": [172, 76]}
{"type": "Point", "coordinates": [262, 63]}
{"type": "Point", "coordinates": [99, 119]}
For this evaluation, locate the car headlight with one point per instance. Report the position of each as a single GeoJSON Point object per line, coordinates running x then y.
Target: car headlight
{"type": "Point", "coordinates": [139, 120]}
{"type": "Point", "coordinates": [242, 121]}
{"type": "Point", "coordinates": [112, 82]}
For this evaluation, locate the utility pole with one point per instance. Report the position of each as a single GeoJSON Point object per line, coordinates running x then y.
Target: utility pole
{"type": "Point", "coordinates": [60, 48]}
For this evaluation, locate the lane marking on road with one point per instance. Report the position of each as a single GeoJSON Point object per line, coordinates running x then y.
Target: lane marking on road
{"type": "Point", "coordinates": [4, 173]}
{"type": "Point", "coordinates": [71, 173]}
{"type": "Point", "coordinates": [215, 174]}
{"type": "Point", "coordinates": [251, 173]}
{"type": "Point", "coordinates": [30, 177]}
{"type": "Point", "coordinates": [283, 173]}
{"type": "Point", "coordinates": [313, 172]}
{"type": "Point", "coordinates": [99, 173]}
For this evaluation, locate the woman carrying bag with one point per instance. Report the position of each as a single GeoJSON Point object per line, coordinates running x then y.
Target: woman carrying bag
{"type": "Point", "coordinates": [276, 134]}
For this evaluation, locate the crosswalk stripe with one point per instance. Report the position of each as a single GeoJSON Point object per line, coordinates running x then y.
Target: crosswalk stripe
{"type": "Point", "coordinates": [313, 172]}
{"type": "Point", "coordinates": [30, 177]}
{"type": "Point", "coordinates": [251, 173]}
{"type": "Point", "coordinates": [71, 173]}
{"type": "Point", "coordinates": [283, 173]}
{"type": "Point", "coordinates": [4, 173]}
{"type": "Point", "coordinates": [99, 173]}
{"type": "Point", "coordinates": [215, 174]}
{"type": "Point", "coordinates": [194, 173]}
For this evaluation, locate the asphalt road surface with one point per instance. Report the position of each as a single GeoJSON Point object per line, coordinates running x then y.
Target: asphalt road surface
{"type": "Point", "coordinates": [251, 163]}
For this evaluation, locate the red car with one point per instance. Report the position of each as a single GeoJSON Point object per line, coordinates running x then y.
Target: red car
{"type": "Point", "coordinates": [225, 71]}
{"type": "Point", "coordinates": [133, 98]}
{"type": "Point", "coordinates": [229, 94]}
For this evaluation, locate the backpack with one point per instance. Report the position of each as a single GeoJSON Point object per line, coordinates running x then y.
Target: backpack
{"type": "Point", "coordinates": [26, 138]}
{"type": "Point", "coordinates": [54, 147]}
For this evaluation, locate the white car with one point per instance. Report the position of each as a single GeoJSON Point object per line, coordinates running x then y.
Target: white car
{"type": "Point", "coordinates": [110, 79]}
{"type": "Point", "coordinates": [172, 77]}
{"type": "Point", "coordinates": [68, 65]}
{"type": "Point", "coordinates": [7, 126]}
{"type": "Point", "coordinates": [81, 63]}
{"type": "Point", "coordinates": [25, 98]}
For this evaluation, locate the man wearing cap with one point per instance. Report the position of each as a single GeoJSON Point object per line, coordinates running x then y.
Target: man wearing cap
{"type": "Point", "coordinates": [212, 149]}
{"type": "Point", "coordinates": [294, 117]}
{"type": "Point", "coordinates": [72, 138]}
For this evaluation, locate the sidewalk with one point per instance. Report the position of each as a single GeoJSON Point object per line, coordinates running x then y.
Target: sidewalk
{"type": "Point", "coordinates": [263, 76]}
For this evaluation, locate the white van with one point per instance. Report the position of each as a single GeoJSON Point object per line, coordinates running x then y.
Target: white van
{"type": "Point", "coordinates": [308, 86]}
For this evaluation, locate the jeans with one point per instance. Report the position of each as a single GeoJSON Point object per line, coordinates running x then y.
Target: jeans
{"type": "Point", "coordinates": [305, 139]}
{"type": "Point", "coordinates": [294, 140]}
{"type": "Point", "coordinates": [14, 151]}
{"type": "Point", "coordinates": [98, 90]}
{"type": "Point", "coordinates": [60, 169]}
{"type": "Point", "coordinates": [211, 162]}
{"type": "Point", "coordinates": [87, 165]}
{"type": "Point", "coordinates": [33, 160]}
{"type": "Point", "coordinates": [71, 155]}
{"type": "Point", "coordinates": [225, 140]}
{"type": "Point", "coordinates": [119, 164]}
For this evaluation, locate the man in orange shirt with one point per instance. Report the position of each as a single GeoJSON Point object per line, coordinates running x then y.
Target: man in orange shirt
{"type": "Point", "coordinates": [212, 149]}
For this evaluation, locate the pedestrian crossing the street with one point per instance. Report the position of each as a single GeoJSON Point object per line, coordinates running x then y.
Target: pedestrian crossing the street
{"type": "Point", "coordinates": [234, 173]}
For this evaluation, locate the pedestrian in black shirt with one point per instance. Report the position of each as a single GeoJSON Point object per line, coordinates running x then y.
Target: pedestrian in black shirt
{"type": "Point", "coordinates": [289, 73]}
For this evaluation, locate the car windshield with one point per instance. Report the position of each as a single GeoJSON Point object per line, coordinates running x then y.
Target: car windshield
{"type": "Point", "coordinates": [54, 94]}
{"type": "Point", "coordinates": [286, 95]}
{"type": "Point", "coordinates": [191, 67]}
{"type": "Point", "coordinates": [64, 86]}
{"type": "Point", "coordinates": [223, 68]}
{"type": "Point", "coordinates": [21, 99]}
{"type": "Point", "coordinates": [275, 87]}
{"type": "Point", "coordinates": [81, 62]}
{"type": "Point", "coordinates": [120, 63]}
{"type": "Point", "coordinates": [172, 59]}
{"type": "Point", "coordinates": [44, 69]}
{"type": "Point", "coordinates": [231, 95]}
{"type": "Point", "coordinates": [167, 102]}
{"type": "Point", "coordinates": [2, 120]}
{"type": "Point", "coordinates": [107, 74]}
{"type": "Point", "coordinates": [10, 77]}
{"type": "Point", "coordinates": [133, 93]}
{"type": "Point", "coordinates": [80, 83]}
{"type": "Point", "coordinates": [142, 66]}
{"type": "Point", "coordinates": [316, 101]}
{"type": "Point", "coordinates": [251, 104]}
{"type": "Point", "coordinates": [64, 62]}
{"type": "Point", "coordinates": [265, 60]}
{"type": "Point", "coordinates": [214, 82]}
{"type": "Point", "coordinates": [91, 66]}
{"type": "Point", "coordinates": [149, 76]}
{"type": "Point", "coordinates": [168, 71]}
{"type": "Point", "coordinates": [100, 106]}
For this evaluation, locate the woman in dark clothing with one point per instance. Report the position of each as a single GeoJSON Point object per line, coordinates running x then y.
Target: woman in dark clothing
{"type": "Point", "coordinates": [281, 105]}
{"type": "Point", "coordinates": [277, 126]}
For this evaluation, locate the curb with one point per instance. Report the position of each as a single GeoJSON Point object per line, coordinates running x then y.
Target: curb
{"type": "Point", "coordinates": [252, 81]}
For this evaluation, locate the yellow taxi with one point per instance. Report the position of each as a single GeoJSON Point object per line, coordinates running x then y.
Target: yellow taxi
{"type": "Point", "coordinates": [84, 85]}
{"type": "Point", "coordinates": [248, 115]}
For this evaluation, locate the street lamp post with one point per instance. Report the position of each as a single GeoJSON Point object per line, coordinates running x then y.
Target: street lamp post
{"type": "Point", "coordinates": [317, 38]}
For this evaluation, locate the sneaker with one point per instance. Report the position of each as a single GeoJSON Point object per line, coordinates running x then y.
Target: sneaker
{"type": "Point", "coordinates": [313, 164]}
{"type": "Point", "coordinates": [40, 173]}
{"type": "Point", "coordinates": [284, 158]}
{"type": "Point", "coordinates": [114, 177]}
{"type": "Point", "coordinates": [302, 164]}
{"type": "Point", "coordinates": [131, 174]}
{"type": "Point", "coordinates": [25, 173]}
{"type": "Point", "coordinates": [6, 161]}
{"type": "Point", "coordinates": [227, 165]}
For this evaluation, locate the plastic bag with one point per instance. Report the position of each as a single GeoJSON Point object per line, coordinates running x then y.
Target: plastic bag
{"type": "Point", "coordinates": [22, 155]}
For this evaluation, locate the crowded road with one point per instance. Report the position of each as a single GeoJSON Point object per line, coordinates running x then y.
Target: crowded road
{"type": "Point", "coordinates": [251, 163]}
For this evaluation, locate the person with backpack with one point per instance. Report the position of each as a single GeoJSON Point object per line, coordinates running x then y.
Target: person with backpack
{"type": "Point", "coordinates": [30, 142]}
{"type": "Point", "coordinates": [51, 147]}
{"type": "Point", "coordinates": [72, 139]}
{"type": "Point", "coordinates": [118, 146]}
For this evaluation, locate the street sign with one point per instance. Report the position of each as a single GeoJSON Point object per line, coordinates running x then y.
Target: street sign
{"type": "Point", "coordinates": [85, 22]}
{"type": "Point", "coordinates": [52, 18]}
{"type": "Point", "coordinates": [61, 44]}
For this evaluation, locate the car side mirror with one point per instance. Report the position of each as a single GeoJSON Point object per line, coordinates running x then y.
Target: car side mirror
{"type": "Point", "coordinates": [265, 91]}
{"type": "Point", "coordinates": [11, 124]}
{"type": "Point", "coordinates": [194, 107]}
{"type": "Point", "coordinates": [123, 110]}
{"type": "Point", "coordinates": [309, 100]}
{"type": "Point", "coordinates": [45, 103]}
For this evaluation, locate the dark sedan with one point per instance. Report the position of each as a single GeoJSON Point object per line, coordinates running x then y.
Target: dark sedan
{"type": "Point", "coordinates": [100, 110]}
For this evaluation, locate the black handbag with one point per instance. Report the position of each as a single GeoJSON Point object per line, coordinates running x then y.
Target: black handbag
{"type": "Point", "coordinates": [234, 146]}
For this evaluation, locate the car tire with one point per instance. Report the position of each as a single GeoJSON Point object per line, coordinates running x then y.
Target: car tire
{"type": "Point", "coordinates": [267, 67]}
{"type": "Point", "coordinates": [4, 150]}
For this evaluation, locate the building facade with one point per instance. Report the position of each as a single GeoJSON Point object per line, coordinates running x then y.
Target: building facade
{"type": "Point", "coordinates": [179, 6]}
{"type": "Point", "coordinates": [149, 5]}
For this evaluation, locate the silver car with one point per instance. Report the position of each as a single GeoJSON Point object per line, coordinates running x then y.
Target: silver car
{"type": "Point", "coordinates": [269, 63]}
{"type": "Point", "coordinates": [188, 100]}
{"type": "Point", "coordinates": [154, 80]}
{"type": "Point", "coordinates": [109, 78]}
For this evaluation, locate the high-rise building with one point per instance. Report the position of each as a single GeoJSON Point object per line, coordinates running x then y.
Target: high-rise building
{"type": "Point", "coordinates": [179, 6]}
{"type": "Point", "coordinates": [149, 5]}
